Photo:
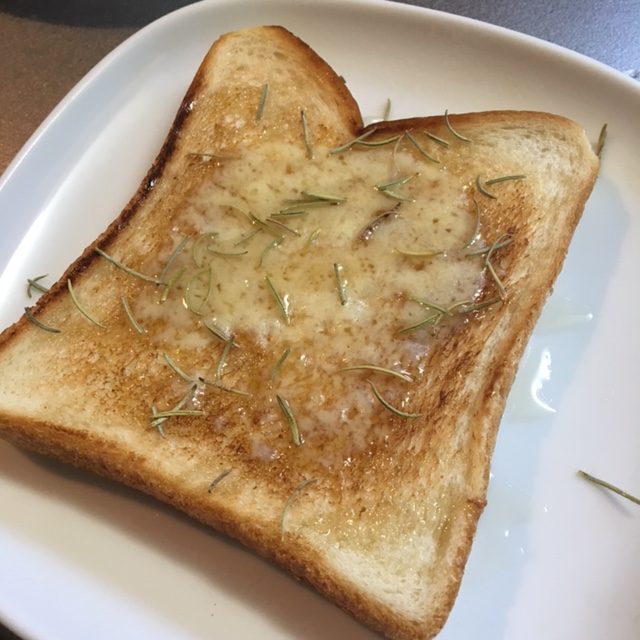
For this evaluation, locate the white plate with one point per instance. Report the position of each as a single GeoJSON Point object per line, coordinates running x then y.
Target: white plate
{"type": "Point", "coordinates": [555, 557]}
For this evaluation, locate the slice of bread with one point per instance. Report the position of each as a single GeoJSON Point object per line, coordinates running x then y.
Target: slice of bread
{"type": "Point", "coordinates": [303, 333]}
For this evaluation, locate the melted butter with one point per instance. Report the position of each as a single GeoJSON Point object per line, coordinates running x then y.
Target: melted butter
{"type": "Point", "coordinates": [324, 335]}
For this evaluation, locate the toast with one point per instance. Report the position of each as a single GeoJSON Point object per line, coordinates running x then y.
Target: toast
{"type": "Point", "coordinates": [302, 332]}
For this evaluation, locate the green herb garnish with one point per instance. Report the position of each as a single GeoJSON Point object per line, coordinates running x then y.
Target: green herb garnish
{"type": "Point", "coordinates": [174, 254]}
{"type": "Point", "coordinates": [440, 141]}
{"type": "Point", "coordinates": [167, 287]}
{"type": "Point", "coordinates": [131, 272]}
{"type": "Point", "coordinates": [283, 303]}
{"type": "Point", "coordinates": [80, 308]}
{"type": "Point", "coordinates": [370, 228]}
{"type": "Point", "coordinates": [176, 369]}
{"type": "Point", "coordinates": [426, 253]}
{"type": "Point", "coordinates": [279, 363]}
{"type": "Point", "coordinates": [222, 362]}
{"type": "Point", "coordinates": [453, 132]}
{"type": "Point", "coordinates": [191, 294]}
{"type": "Point", "coordinates": [127, 309]}
{"type": "Point", "coordinates": [481, 187]}
{"type": "Point", "coordinates": [219, 333]}
{"type": "Point", "coordinates": [281, 225]}
{"type": "Point", "coordinates": [272, 245]}
{"type": "Point", "coordinates": [348, 145]}
{"type": "Point", "coordinates": [341, 282]}
{"type": "Point", "coordinates": [291, 420]}
{"type": "Point", "coordinates": [476, 226]}
{"type": "Point", "coordinates": [263, 101]}
{"type": "Point", "coordinates": [417, 145]}
{"type": "Point", "coordinates": [158, 419]}
{"type": "Point", "coordinates": [31, 318]}
{"type": "Point", "coordinates": [390, 407]}
{"type": "Point", "coordinates": [386, 188]}
{"type": "Point", "coordinates": [224, 387]}
{"type": "Point", "coordinates": [601, 140]}
{"type": "Point", "coordinates": [218, 479]}
{"type": "Point", "coordinates": [372, 367]}
{"type": "Point", "coordinates": [313, 236]}
{"type": "Point", "coordinates": [294, 494]}
{"type": "Point", "coordinates": [34, 283]}
{"type": "Point", "coordinates": [506, 241]}
{"type": "Point", "coordinates": [490, 267]}
{"type": "Point", "coordinates": [305, 134]}
{"type": "Point", "coordinates": [178, 413]}
{"type": "Point", "coordinates": [609, 486]}
{"type": "Point", "coordinates": [387, 110]}
{"type": "Point", "coordinates": [464, 306]}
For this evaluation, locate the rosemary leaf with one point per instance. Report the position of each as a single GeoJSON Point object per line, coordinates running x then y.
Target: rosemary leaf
{"type": "Point", "coordinates": [174, 254]}
{"type": "Point", "coordinates": [371, 367]}
{"type": "Point", "coordinates": [131, 272]}
{"type": "Point", "coordinates": [219, 333]}
{"type": "Point", "coordinates": [291, 420]}
{"type": "Point", "coordinates": [601, 140]}
{"type": "Point", "coordinates": [482, 190]}
{"type": "Point", "coordinates": [520, 176]}
{"type": "Point", "coordinates": [390, 407]}
{"type": "Point", "coordinates": [222, 362]}
{"type": "Point", "coordinates": [218, 479]}
{"type": "Point", "coordinates": [417, 145]}
{"type": "Point", "coordinates": [33, 283]}
{"type": "Point", "coordinates": [453, 132]}
{"type": "Point", "coordinates": [176, 369]}
{"type": "Point", "coordinates": [440, 141]}
{"type": "Point", "coordinates": [134, 323]}
{"type": "Point", "coordinates": [178, 413]}
{"type": "Point", "coordinates": [279, 363]}
{"type": "Point", "coordinates": [609, 486]}
{"type": "Point", "coordinates": [305, 134]}
{"type": "Point", "coordinates": [348, 145]}
{"type": "Point", "coordinates": [341, 282]}
{"type": "Point", "coordinates": [476, 227]}
{"type": "Point", "coordinates": [190, 297]}
{"type": "Point", "coordinates": [167, 287]}
{"type": "Point", "coordinates": [262, 102]}
{"type": "Point", "coordinates": [80, 308]}
{"type": "Point", "coordinates": [282, 303]}
{"type": "Point", "coordinates": [294, 494]}
{"type": "Point", "coordinates": [31, 318]}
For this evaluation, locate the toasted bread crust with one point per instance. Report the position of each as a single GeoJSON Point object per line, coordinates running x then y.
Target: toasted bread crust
{"type": "Point", "coordinates": [494, 346]}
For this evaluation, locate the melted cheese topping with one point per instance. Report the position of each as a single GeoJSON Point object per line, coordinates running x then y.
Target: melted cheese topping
{"type": "Point", "coordinates": [287, 252]}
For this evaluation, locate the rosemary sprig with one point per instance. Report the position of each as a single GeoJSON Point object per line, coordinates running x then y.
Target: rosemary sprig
{"type": "Point", "coordinates": [174, 254]}
{"type": "Point", "coordinates": [452, 131]}
{"type": "Point", "coordinates": [190, 294]}
{"type": "Point", "coordinates": [379, 143]}
{"type": "Point", "coordinates": [305, 135]}
{"type": "Point", "coordinates": [196, 250]}
{"type": "Point", "coordinates": [482, 187]}
{"type": "Point", "coordinates": [436, 139]}
{"type": "Point", "coordinates": [244, 239]}
{"type": "Point", "coordinates": [220, 334]}
{"type": "Point", "coordinates": [218, 479]}
{"type": "Point", "coordinates": [80, 308]}
{"type": "Point", "coordinates": [131, 272]}
{"type": "Point", "coordinates": [276, 367]}
{"type": "Point", "coordinates": [282, 303]}
{"type": "Point", "coordinates": [281, 225]}
{"type": "Point", "coordinates": [348, 145]}
{"type": "Point", "coordinates": [262, 102]}
{"type": "Point", "coordinates": [341, 282]}
{"type": "Point", "coordinates": [176, 369]}
{"type": "Point", "coordinates": [134, 323]}
{"type": "Point", "coordinates": [482, 190]}
{"type": "Point", "coordinates": [386, 188]}
{"type": "Point", "coordinates": [294, 494]}
{"type": "Point", "coordinates": [377, 369]}
{"type": "Point", "coordinates": [389, 406]}
{"type": "Point", "coordinates": [609, 486]}
{"type": "Point", "coordinates": [601, 140]}
{"type": "Point", "coordinates": [34, 283]}
{"type": "Point", "coordinates": [41, 325]}
{"type": "Point", "coordinates": [222, 362]}
{"type": "Point", "coordinates": [291, 420]}
{"type": "Point", "coordinates": [419, 147]}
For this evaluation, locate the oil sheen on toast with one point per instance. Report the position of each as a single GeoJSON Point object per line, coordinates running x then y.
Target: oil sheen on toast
{"type": "Point", "coordinates": [302, 332]}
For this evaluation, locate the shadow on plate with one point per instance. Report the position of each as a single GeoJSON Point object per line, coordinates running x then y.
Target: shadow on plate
{"type": "Point", "coordinates": [92, 13]}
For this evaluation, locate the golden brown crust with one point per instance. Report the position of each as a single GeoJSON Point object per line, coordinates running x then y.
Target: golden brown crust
{"type": "Point", "coordinates": [461, 353]}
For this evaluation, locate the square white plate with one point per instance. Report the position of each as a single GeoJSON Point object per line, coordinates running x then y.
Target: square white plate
{"type": "Point", "coordinates": [554, 557]}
